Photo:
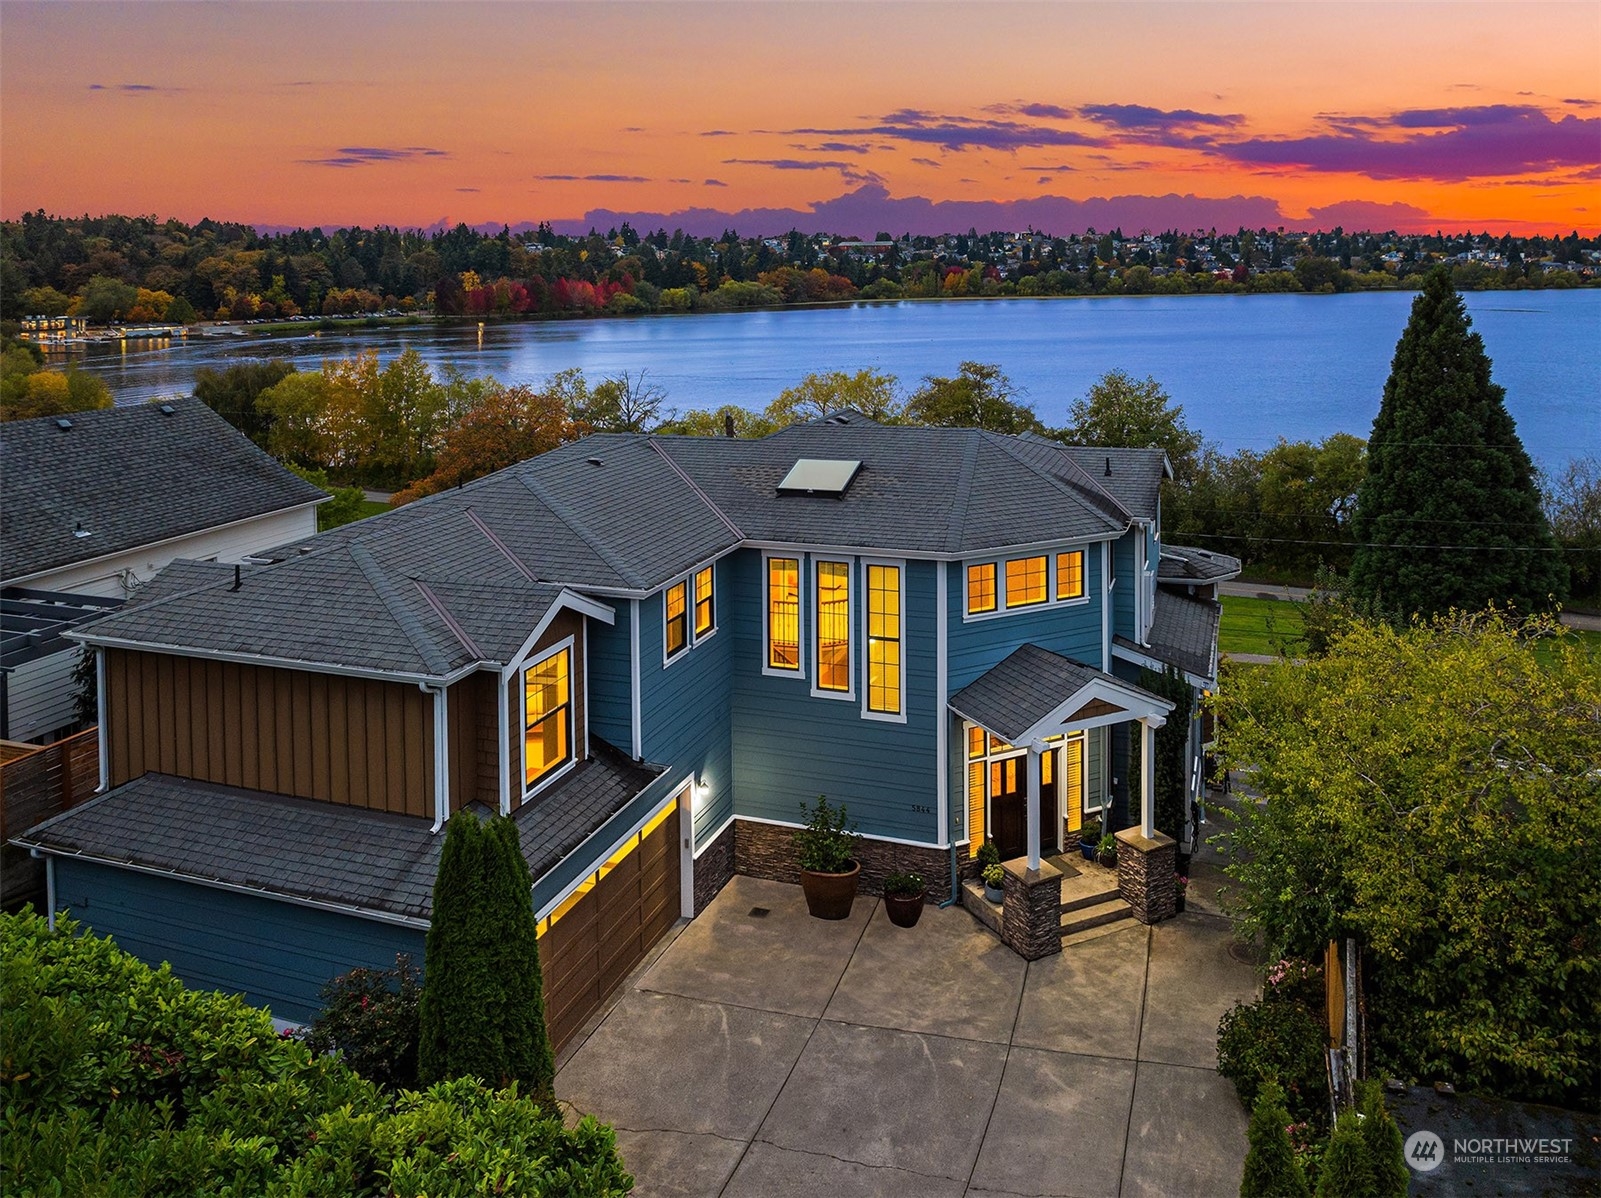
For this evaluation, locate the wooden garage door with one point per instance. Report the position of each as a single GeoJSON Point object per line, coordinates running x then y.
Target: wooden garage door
{"type": "Point", "coordinates": [591, 942]}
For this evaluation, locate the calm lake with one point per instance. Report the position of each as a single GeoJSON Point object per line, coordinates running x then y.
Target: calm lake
{"type": "Point", "coordinates": [1247, 369]}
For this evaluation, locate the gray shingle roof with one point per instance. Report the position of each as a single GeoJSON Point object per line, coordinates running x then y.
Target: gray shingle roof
{"type": "Point", "coordinates": [130, 476]}
{"type": "Point", "coordinates": [438, 584]}
{"type": "Point", "coordinates": [1183, 634]}
{"type": "Point", "coordinates": [323, 852]}
{"type": "Point", "coordinates": [1136, 478]}
{"type": "Point", "coordinates": [1013, 696]}
{"type": "Point", "coordinates": [1183, 564]}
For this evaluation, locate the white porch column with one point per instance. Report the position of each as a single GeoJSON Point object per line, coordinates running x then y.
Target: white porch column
{"type": "Point", "coordinates": [1034, 804]}
{"type": "Point", "coordinates": [1147, 779]}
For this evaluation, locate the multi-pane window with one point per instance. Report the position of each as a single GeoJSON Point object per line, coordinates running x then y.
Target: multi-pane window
{"type": "Point", "coordinates": [677, 618]}
{"type": "Point", "coordinates": [1025, 581]}
{"type": "Point", "coordinates": [884, 639]}
{"type": "Point", "coordinates": [1070, 575]}
{"type": "Point", "coordinates": [547, 716]}
{"type": "Point", "coordinates": [833, 626]}
{"type": "Point", "coordinates": [981, 587]}
{"type": "Point", "coordinates": [783, 613]}
{"type": "Point", "coordinates": [705, 610]}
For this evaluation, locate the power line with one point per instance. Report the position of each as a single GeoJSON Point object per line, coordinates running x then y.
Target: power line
{"type": "Point", "coordinates": [1218, 536]}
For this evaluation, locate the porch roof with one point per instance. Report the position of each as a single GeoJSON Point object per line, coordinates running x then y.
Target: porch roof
{"type": "Point", "coordinates": [1035, 692]}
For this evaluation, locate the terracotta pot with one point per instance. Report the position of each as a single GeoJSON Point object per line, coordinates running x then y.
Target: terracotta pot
{"type": "Point", "coordinates": [829, 896]}
{"type": "Point", "coordinates": [903, 912]}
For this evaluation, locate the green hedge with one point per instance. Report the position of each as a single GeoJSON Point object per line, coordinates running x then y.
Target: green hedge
{"type": "Point", "coordinates": [116, 1080]}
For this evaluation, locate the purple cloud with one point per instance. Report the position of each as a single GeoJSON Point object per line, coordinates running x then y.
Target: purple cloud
{"type": "Point", "coordinates": [926, 162]}
{"type": "Point", "coordinates": [592, 178]}
{"type": "Point", "coordinates": [958, 132]}
{"type": "Point", "coordinates": [135, 89]}
{"type": "Point", "coordinates": [717, 133]}
{"type": "Point", "coordinates": [1141, 118]}
{"type": "Point", "coordinates": [348, 156]}
{"type": "Point", "coordinates": [1372, 215]}
{"type": "Point", "coordinates": [713, 183]}
{"type": "Point", "coordinates": [1043, 111]}
{"type": "Point", "coordinates": [848, 170]}
{"type": "Point", "coordinates": [1584, 103]}
{"type": "Point", "coordinates": [1451, 145]}
{"type": "Point", "coordinates": [467, 189]}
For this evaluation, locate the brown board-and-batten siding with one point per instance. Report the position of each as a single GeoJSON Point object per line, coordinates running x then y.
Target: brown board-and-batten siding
{"type": "Point", "coordinates": [357, 741]}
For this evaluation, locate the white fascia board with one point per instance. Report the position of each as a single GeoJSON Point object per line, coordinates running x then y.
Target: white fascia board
{"type": "Point", "coordinates": [567, 599]}
{"type": "Point", "coordinates": [21, 580]}
{"type": "Point", "coordinates": [277, 663]}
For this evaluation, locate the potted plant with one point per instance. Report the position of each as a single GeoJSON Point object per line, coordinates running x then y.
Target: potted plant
{"type": "Point", "coordinates": [1106, 853]}
{"type": "Point", "coordinates": [995, 883]}
{"type": "Point", "coordinates": [987, 856]}
{"type": "Point", "coordinates": [1089, 838]}
{"type": "Point", "coordinates": [1180, 885]}
{"type": "Point", "coordinates": [829, 871]}
{"type": "Point", "coordinates": [903, 898]}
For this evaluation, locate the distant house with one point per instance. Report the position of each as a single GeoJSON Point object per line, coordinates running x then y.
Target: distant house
{"type": "Point", "coordinates": [95, 504]}
{"type": "Point", "coordinates": [649, 652]}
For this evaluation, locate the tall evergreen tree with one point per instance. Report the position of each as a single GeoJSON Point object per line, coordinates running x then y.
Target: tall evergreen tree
{"type": "Point", "coordinates": [483, 1007]}
{"type": "Point", "coordinates": [1449, 514]}
{"type": "Point", "coordinates": [1271, 1170]}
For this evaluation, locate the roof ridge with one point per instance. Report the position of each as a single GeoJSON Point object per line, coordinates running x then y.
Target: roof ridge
{"type": "Point", "coordinates": [957, 520]}
{"type": "Point", "coordinates": [494, 539]}
{"type": "Point", "coordinates": [438, 604]}
{"type": "Point", "coordinates": [1090, 479]}
{"type": "Point", "coordinates": [419, 636]}
{"type": "Point", "coordinates": [695, 487]}
{"type": "Point", "coordinates": [562, 513]}
{"type": "Point", "coordinates": [1005, 443]}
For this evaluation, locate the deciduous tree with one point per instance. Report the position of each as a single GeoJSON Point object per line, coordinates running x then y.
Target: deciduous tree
{"type": "Point", "coordinates": [1449, 514]}
{"type": "Point", "coordinates": [1122, 411]}
{"type": "Point", "coordinates": [871, 392]}
{"type": "Point", "coordinates": [979, 396]}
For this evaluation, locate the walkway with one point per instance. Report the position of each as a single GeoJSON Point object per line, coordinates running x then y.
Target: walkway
{"type": "Point", "coordinates": [766, 1053]}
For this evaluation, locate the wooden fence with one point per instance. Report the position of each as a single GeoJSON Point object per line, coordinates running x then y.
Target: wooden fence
{"type": "Point", "coordinates": [37, 782]}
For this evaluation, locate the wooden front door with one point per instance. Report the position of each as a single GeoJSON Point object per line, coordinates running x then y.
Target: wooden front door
{"type": "Point", "coordinates": [1009, 805]}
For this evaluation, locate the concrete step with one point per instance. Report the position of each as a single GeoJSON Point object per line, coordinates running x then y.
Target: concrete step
{"type": "Point", "coordinates": [1093, 898]}
{"type": "Point", "coordinates": [1095, 915]}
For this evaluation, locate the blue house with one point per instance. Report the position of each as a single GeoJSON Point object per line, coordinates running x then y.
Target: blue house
{"type": "Point", "coordinates": [649, 652]}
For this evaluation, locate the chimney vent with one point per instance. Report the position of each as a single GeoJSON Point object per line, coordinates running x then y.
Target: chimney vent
{"type": "Point", "coordinates": [1108, 467]}
{"type": "Point", "coordinates": [238, 578]}
{"type": "Point", "coordinates": [728, 424]}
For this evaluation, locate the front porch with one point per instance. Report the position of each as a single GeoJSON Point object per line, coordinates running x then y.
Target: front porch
{"type": "Point", "coordinates": [1026, 724]}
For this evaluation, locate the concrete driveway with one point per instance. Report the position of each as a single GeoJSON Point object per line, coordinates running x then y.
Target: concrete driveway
{"type": "Point", "coordinates": [766, 1053]}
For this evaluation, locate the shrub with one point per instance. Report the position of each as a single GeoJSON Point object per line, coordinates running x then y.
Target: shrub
{"type": "Point", "coordinates": [994, 876]}
{"type": "Point", "coordinates": [1271, 1170]}
{"type": "Point", "coordinates": [482, 1013]}
{"type": "Point", "coordinates": [1106, 851]}
{"type": "Point", "coordinates": [369, 1017]}
{"type": "Point", "coordinates": [115, 1080]}
{"type": "Point", "coordinates": [1347, 1170]}
{"type": "Point", "coordinates": [827, 842]}
{"type": "Point", "coordinates": [1386, 1149]}
{"type": "Point", "coordinates": [1275, 1040]}
{"type": "Point", "coordinates": [904, 885]}
{"type": "Point", "coordinates": [987, 855]}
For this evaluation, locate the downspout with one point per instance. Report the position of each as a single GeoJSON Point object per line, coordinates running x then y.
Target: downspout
{"type": "Point", "coordinates": [49, 886]}
{"type": "Point", "coordinates": [943, 716]}
{"type": "Point", "coordinates": [441, 754]}
{"type": "Point", "coordinates": [503, 754]}
{"type": "Point", "coordinates": [102, 736]}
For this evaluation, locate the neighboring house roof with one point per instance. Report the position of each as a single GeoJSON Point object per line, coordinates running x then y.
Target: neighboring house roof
{"type": "Point", "coordinates": [1183, 565]}
{"type": "Point", "coordinates": [433, 586]}
{"type": "Point", "coordinates": [129, 477]}
{"type": "Point", "coordinates": [322, 852]}
{"type": "Point", "coordinates": [1183, 635]}
{"type": "Point", "coordinates": [1013, 696]}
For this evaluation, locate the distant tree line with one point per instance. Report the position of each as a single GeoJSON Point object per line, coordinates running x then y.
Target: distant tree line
{"type": "Point", "coordinates": [138, 269]}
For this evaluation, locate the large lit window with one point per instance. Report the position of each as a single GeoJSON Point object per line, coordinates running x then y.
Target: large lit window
{"type": "Point", "coordinates": [833, 626]}
{"type": "Point", "coordinates": [705, 609]}
{"type": "Point", "coordinates": [884, 639]}
{"type": "Point", "coordinates": [981, 588]}
{"type": "Point", "coordinates": [1070, 575]}
{"type": "Point", "coordinates": [783, 613]}
{"type": "Point", "coordinates": [677, 626]}
{"type": "Point", "coordinates": [1025, 581]}
{"type": "Point", "coordinates": [547, 716]}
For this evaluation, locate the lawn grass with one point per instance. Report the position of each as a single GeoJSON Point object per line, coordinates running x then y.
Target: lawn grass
{"type": "Point", "coordinates": [1261, 626]}
{"type": "Point", "coordinates": [369, 508]}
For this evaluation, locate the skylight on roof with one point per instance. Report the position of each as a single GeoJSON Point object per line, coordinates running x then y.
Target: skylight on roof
{"type": "Point", "coordinates": [819, 476]}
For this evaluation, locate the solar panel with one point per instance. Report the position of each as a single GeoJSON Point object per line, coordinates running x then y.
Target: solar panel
{"type": "Point", "coordinates": [819, 476]}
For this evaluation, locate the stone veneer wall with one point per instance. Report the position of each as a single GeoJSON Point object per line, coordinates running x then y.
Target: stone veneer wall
{"type": "Point", "coordinates": [713, 868]}
{"type": "Point", "coordinates": [1031, 916]}
{"type": "Point", "coordinates": [1145, 875]}
{"type": "Point", "coordinates": [768, 851]}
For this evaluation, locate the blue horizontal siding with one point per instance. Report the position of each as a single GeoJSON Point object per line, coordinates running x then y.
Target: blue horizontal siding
{"type": "Point", "coordinates": [686, 707]}
{"type": "Point", "coordinates": [790, 746]}
{"type": "Point", "coordinates": [1073, 630]}
{"type": "Point", "coordinates": [277, 955]}
{"type": "Point", "coordinates": [1124, 569]}
{"type": "Point", "coordinates": [610, 679]}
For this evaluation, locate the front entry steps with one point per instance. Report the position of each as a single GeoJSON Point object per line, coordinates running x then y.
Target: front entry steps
{"type": "Point", "coordinates": [1091, 904]}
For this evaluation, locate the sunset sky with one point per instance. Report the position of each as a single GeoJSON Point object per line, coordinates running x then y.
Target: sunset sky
{"type": "Point", "coordinates": [852, 117]}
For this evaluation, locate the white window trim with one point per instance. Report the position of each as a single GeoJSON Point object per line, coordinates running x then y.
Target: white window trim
{"type": "Point", "coordinates": [851, 590]}
{"type": "Point", "coordinates": [768, 668]}
{"type": "Point", "coordinates": [691, 638]}
{"type": "Point", "coordinates": [527, 791]}
{"type": "Point", "coordinates": [888, 717]}
{"type": "Point", "coordinates": [1050, 600]}
{"type": "Point", "coordinates": [1057, 747]}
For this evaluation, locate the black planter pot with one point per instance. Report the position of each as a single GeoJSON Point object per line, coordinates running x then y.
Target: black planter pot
{"type": "Point", "coordinates": [904, 911]}
{"type": "Point", "coordinates": [829, 896]}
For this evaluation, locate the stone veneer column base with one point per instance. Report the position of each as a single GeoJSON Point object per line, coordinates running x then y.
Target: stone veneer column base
{"type": "Point", "coordinates": [713, 868]}
{"type": "Point", "coordinates": [768, 851]}
{"type": "Point", "coordinates": [1145, 874]}
{"type": "Point", "coordinates": [1031, 917]}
